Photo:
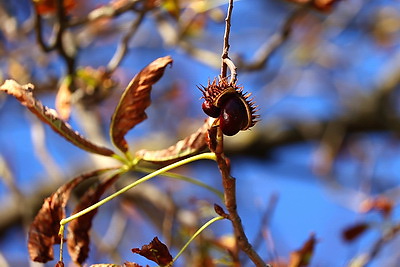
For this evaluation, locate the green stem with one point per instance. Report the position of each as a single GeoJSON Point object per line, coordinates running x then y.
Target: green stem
{"type": "Point", "coordinates": [195, 235]}
{"type": "Point", "coordinates": [186, 179]}
{"type": "Point", "coordinates": [61, 234]}
{"type": "Point", "coordinates": [210, 156]}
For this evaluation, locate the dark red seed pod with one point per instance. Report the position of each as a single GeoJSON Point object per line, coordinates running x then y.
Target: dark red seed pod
{"type": "Point", "coordinates": [234, 116]}
{"type": "Point", "coordinates": [210, 109]}
{"type": "Point", "coordinates": [230, 105]}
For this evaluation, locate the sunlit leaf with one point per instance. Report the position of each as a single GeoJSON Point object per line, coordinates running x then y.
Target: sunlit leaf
{"type": "Point", "coordinates": [63, 100]}
{"type": "Point", "coordinates": [43, 232]}
{"type": "Point", "coordinates": [95, 84]}
{"type": "Point", "coordinates": [380, 203]}
{"type": "Point", "coordinates": [302, 257]}
{"type": "Point", "coordinates": [134, 101]}
{"type": "Point", "coordinates": [155, 251]}
{"type": "Point", "coordinates": [172, 6]}
{"type": "Point", "coordinates": [194, 143]}
{"type": "Point", "coordinates": [78, 238]}
{"type": "Point", "coordinates": [324, 5]}
{"type": "Point", "coordinates": [24, 93]}
{"type": "Point", "coordinates": [353, 232]}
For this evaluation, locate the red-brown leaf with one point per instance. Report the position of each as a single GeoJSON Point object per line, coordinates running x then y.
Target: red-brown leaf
{"type": "Point", "coordinates": [302, 257]}
{"type": "Point", "coordinates": [50, 6]}
{"type": "Point", "coordinates": [43, 232]}
{"type": "Point", "coordinates": [24, 93]}
{"type": "Point", "coordinates": [126, 264]}
{"type": "Point", "coordinates": [192, 144]}
{"type": "Point", "coordinates": [155, 251]}
{"type": "Point", "coordinates": [320, 5]}
{"type": "Point", "coordinates": [352, 232]}
{"type": "Point", "coordinates": [379, 203]}
{"type": "Point", "coordinates": [78, 238]}
{"type": "Point", "coordinates": [134, 101]}
{"type": "Point", "coordinates": [59, 264]}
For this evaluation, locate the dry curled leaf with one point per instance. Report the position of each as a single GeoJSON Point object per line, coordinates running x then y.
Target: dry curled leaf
{"type": "Point", "coordinates": [63, 100]}
{"type": "Point", "coordinates": [78, 238]}
{"type": "Point", "coordinates": [126, 264]}
{"type": "Point", "coordinates": [59, 264]}
{"type": "Point", "coordinates": [134, 101]}
{"type": "Point", "coordinates": [24, 93]}
{"type": "Point", "coordinates": [155, 251]}
{"type": "Point", "coordinates": [352, 232]}
{"type": "Point", "coordinates": [43, 232]}
{"type": "Point", "coordinates": [183, 148]}
{"type": "Point", "coordinates": [381, 204]}
{"type": "Point", "coordinates": [302, 257]}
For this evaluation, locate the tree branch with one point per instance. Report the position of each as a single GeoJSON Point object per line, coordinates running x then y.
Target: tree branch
{"type": "Point", "coordinates": [123, 45]}
{"type": "Point", "coordinates": [263, 54]}
{"type": "Point", "coordinates": [225, 50]}
{"type": "Point", "coordinates": [229, 183]}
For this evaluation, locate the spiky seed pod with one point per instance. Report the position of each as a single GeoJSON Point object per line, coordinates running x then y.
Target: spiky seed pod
{"type": "Point", "coordinates": [230, 105]}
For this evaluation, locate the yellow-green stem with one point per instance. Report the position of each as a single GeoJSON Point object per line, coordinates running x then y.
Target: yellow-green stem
{"type": "Point", "coordinates": [195, 235]}
{"type": "Point", "coordinates": [186, 179]}
{"type": "Point", "coordinates": [210, 156]}
{"type": "Point", "coordinates": [61, 233]}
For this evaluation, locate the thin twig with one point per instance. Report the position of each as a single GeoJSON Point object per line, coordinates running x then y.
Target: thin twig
{"type": "Point", "coordinates": [228, 182]}
{"type": "Point", "coordinates": [263, 54]}
{"type": "Point", "coordinates": [58, 43]}
{"type": "Point", "coordinates": [229, 185]}
{"type": "Point", "coordinates": [265, 220]}
{"type": "Point", "coordinates": [39, 35]}
{"type": "Point", "coordinates": [61, 26]}
{"type": "Point", "coordinates": [107, 11]}
{"type": "Point", "coordinates": [225, 50]}
{"type": "Point", "coordinates": [123, 45]}
{"type": "Point", "coordinates": [232, 69]}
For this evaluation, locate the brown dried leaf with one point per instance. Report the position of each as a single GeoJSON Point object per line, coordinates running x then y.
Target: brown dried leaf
{"type": "Point", "coordinates": [106, 265]}
{"type": "Point", "coordinates": [155, 251]}
{"type": "Point", "coordinates": [44, 7]}
{"type": "Point", "coordinates": [134, 101]}
{"type": "Point", "coordinates": [24, 94]}
{"type": "Point", "coordinates": [59, 264]}
{"type": "Point", "coordinates": [324, 5]}
{"type": "Point", "coordinates": [351, 233]}
{"type": "Point", "coordinates": [303, 256]}
{"type": "Point", "coordinates": [43, 232]}
{"type": "Point", "coordinates": [184, 148]}
{"type": "Point", "coordinates": [63, 100]}
{"type": "Point", "coordinates": [78, 238]}
{"type": "Point", "coordinates": [380, 203]}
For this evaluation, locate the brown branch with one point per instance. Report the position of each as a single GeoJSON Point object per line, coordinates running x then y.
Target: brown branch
{"type": "Point", "coordinates": [225, 50]}
{"type": "Point", "coordinates": [232, 69]}
{"type": "Point", "coordinates": [386, 237]}
{"type": "Point", "coordinates": [58, 43]}
{"type": "Point", "coordinates": [263, 54]}
{"type": "Point", "coordinates": [39, 35]}
{"type": "Point", "coordinates": [229, 185]}
{"type": "Point", "coordinates": [68, 54]}
{"type": "Point", "coordinates": [216, 145]}
{"type": "Point", "coordinates": [123, 45]}
{"type": "Point", "coordinates": [107, 11]}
